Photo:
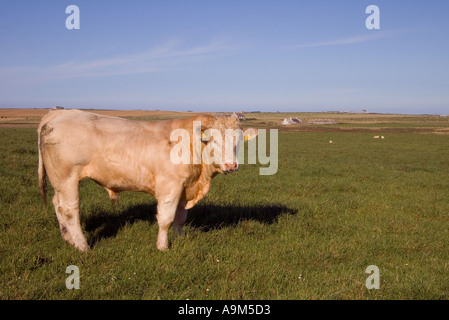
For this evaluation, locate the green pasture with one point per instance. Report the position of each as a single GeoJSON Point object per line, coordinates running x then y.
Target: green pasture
{"type": "Point", "coordinates": [307, 232]}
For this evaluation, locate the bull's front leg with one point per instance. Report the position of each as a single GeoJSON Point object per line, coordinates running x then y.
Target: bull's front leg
{"type": "Point", "coordinates": [180, 217]}
{"type": "Point", "coordinates": [166, 213]}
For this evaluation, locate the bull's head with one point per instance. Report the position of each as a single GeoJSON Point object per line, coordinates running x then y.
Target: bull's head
{"type": "Point", "coordinates": [221, 138]}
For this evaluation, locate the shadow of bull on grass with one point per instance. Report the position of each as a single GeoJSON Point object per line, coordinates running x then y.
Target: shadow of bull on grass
{"type": "Point", "coordinates": [102, 224]}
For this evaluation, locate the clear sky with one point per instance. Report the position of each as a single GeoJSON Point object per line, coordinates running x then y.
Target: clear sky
{"type": "Point", "coordinates": [226, 55]}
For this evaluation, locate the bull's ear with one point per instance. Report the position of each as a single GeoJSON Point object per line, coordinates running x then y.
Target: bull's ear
{"type": "Point", "coordinates": [204, 136]}
{"type": "Point", "coordinates": [250, 134]}
{"type": "Point", "coordinates": [201, 124]}
{"type": "Point", "coordinates": [200, 131]}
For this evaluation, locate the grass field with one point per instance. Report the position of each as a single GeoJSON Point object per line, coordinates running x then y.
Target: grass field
{"type": "Point", "coordinates": [307, 232]}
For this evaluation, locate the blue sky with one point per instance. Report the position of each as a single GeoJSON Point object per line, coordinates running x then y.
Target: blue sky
{"type": "Point", "coordinates": [228, 55]}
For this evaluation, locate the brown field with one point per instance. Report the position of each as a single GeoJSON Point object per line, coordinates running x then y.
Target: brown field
{"type": "Point", "coordinates": [30, 118]}
{"type": "Point", "coordinates": [346, 122]}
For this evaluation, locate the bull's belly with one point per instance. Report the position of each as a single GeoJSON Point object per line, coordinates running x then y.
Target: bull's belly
{"type": "Point", "coordinates": [119, 186]}
{"type": "Point", "coordinates": [120, 180]}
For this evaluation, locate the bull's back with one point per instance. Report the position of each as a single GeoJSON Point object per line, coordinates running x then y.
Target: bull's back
{"type": "Point", "coordinates": [117, 153]}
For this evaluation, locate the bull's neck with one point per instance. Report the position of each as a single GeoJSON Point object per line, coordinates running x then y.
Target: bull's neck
{"type": "Point", "coordinates": [200, 188]}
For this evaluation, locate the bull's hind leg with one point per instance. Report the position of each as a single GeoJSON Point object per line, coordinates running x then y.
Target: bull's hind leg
{"type": "Point", "coordinates": [68, 214]}
{"type": "Point", "coordinates": [62, 223]}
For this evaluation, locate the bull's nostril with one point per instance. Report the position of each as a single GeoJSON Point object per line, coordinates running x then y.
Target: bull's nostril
{"type": "Point", "coordinates": [231, 167]}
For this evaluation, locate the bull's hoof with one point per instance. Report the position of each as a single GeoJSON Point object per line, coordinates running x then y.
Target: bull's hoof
{"type": "Point", "coordinates": [162, 247]}
{"type": "Point", "coordinates": [83, 247]}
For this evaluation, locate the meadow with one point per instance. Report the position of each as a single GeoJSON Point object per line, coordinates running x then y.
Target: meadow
{"type": "Point", "coordinates": [307, 232]}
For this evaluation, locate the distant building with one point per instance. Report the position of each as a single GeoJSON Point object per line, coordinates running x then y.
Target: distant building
{"type": "Point", "coordinates": [290, 121]}
{"type": "Point", "coordinates": [322, 121]}
{"type": "Point", "coordinates": [238, 115]}
{"type": "Point", "coordinates": [57, 108]}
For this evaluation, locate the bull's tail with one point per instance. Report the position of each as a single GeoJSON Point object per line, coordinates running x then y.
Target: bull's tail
{"type": "Point", "coordinates": [42, 174]}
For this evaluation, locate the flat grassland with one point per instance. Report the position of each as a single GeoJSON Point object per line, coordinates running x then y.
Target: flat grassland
{"type": "Point", "coordinates": [307, 232]}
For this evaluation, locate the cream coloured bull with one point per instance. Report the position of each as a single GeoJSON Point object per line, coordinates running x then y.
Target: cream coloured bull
{"type": "Point", "coordinates": [125, 155]}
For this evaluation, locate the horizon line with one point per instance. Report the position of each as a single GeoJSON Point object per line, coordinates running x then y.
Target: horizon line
{"type": "Point", "coordinates": [210, 111]}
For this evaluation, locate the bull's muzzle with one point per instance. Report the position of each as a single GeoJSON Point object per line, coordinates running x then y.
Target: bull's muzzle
{"type": "Point", "coordinates": [230, 167]}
